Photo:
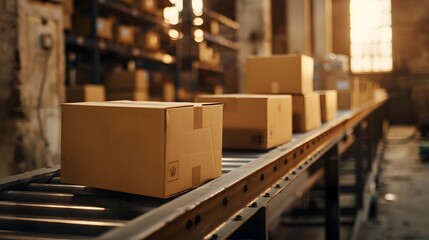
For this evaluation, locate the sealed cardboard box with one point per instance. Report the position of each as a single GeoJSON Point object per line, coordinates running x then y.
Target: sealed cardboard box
{"type": "Point", "coordinates": [67, 21]}
{"type": "Point", "coordinates": [155, 149]}
{"type": "Point", "coordinates": [130, 81]}
{"type": "Point", "coordinates": [168, 91]}
{"type": "Point", "coordinates": [291, 74]}
{"type": "Point", "coordinates": [306, 112]}
{"type": "Point", "coordinates": [86, 93]}
{"type": "Point", "coordinates": [124, 34]}
{"type": "Point", "coordinates": [254, 121]}
{"type": "Point", "coordinates": [148, 40]}
{"type": "Point", "coordinates": [146, 5]}
{"type": "Point", "coordinates": [346, 100]}
{"type": "Point", "coordinates": [82, 26]}
{"type": "Point", "coordinates": [127, 95]}
{"type": "Point", "coordinates": [68, 7]}
{"type": "Point", "coordinates": [328, 105]}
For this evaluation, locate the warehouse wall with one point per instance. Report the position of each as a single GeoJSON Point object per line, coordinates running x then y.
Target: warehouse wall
{"type": "Point", "coordinates": [31, 85]}
{"type": "Point", "coordinates": [410, 23]}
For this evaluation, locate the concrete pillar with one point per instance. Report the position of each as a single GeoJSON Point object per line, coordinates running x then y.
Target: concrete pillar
{"type": "Point", "coordinates": [299, 26]}
{"type": "Point", "coordinates": [322, 22]}
{"type": "Point", "coordinates": [254, 35]}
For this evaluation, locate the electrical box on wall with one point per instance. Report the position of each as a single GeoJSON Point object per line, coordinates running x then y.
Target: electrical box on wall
{"type": "Point", "coordinates": [33, 83]}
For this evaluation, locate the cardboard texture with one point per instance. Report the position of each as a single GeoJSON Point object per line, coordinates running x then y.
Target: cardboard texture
{"type": "Point", "coordinates": [155, 149]}
{"type": "Point", "coordinates": [254, 121]}
{"type": "Point", "coordinates": [328, 105]}
{"type": "Point", "coordinates": [306, 112]}
{"type": "Point", "coordinates": [129, 81]}
{"type": "Point", "coordinates": [86, 93]}
{"type": "Point", "coordinates": [290, 74]}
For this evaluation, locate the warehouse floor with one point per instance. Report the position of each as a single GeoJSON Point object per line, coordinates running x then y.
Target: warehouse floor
{"type": "Point", "coordinates": [403, 197]}
{"type": "Point", "coordinates": [403, 209]}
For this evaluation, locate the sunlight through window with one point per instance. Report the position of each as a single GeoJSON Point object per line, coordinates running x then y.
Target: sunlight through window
{"type": "Point", "coordinates": [371, 36]}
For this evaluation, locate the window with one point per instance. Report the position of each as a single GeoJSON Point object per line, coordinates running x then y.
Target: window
{"type": "Point", "coordinates": [371, 36]}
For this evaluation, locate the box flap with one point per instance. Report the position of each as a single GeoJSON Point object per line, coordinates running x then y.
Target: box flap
{"type": "Point", "coordinates": [135, 104]}
{"type": "Point", "coordinates": [264, 96]}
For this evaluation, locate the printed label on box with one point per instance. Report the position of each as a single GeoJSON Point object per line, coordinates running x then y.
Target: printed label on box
{"type": "Point", "coordinates": [173, 171]}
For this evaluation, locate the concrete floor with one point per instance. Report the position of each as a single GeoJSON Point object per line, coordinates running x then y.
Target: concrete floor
{"type": "Point", "coordinates": [403, 197]}
{"type": "Point", "coordinates": [403, 209]}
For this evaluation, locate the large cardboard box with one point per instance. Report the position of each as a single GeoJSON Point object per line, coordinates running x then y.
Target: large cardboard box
{"type": "Point", "coordinates": [328, 105]}
{"type": "Point", "coordinates": [86, 93]}
{"type": "Point", "coordinates": [128, 81]}
{"type": "Point", "coordinates": [156, 149]}
{"type": "Point", "coordinates": [291, 74]}
{"type": "Point", "coordinates": [127, 95]}
{"type": "Point", "coordinates": [306, 112]}
{"type": "Point", "coordinates": [254, 121]}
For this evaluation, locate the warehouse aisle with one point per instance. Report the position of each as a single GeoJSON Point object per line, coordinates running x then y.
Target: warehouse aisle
{"type": "Point", "coordinates": [403, 209]}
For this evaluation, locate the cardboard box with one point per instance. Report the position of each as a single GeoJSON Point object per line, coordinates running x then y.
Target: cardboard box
{"type": "Point", "coordinates": [146, 5]}
{"type": "Point", "coordinates": [149, 40]}
{"type": "Point", "coordinates": [306, 112]}
{"type": "Point", "coordinates": [82, 26]}
{"type": "Point", "coordinates": [291, 74]}
{"type": "Point", "coordinates": [127, 95]}
{"type": "Point", "coordinates": [214, 27]}
{"type": "Point", "coordinates": [128, 81]}
{"type": "Point", "coordinates": [68, 7]}
{"type": "Point", "coordinates": [124, 34]}
{"type": "Point", "coordinates": [168, 91]}
{"type": "Point", "coordinates": [155, 149]}
{"type": "Point", "coordinates": [346, 100]}
{"type": "Point", "coordinates": [254, 121]}
{"type": "Point", "coordinates": [86, 93]}
{"type": "Point", "coordinates": [67, 21]}
{"type": "Point", "coordinates": [328, 105]}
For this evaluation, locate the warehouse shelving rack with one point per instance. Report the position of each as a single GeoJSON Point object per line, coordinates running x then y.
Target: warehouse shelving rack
{"type": "Point", "coordinates": [96, 47]}
{"type": "Point", "coordinates": [188, 61]}
{"type": "Point", "coordinates": [251, 194]}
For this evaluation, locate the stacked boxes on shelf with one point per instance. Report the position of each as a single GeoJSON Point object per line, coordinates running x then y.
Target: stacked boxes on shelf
{"type": "Point", "coordinates": [83, 27]}
{"type": "Point", "coordinates": [243, 129]}
{"type": "Point", "coordinates": [126, 85]}
{"type": "Point", "coordinates": [86, 93]}
{"type": "Point", "coordinates": [162, 87]}
{"type": "Point", "coordinates": [124, 34]}
{"type": "Point", "coordinates": [149, 148]}
{"type": "Point", "coordinates": [357, 93]}
{"type": "Point", "coordinates": [287, 74]}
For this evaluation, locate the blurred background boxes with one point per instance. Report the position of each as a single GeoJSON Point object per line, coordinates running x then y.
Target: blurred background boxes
{"type": "Point", "coordinates": [86, 93]}
{"type": "Point", "coordinates": [306, 112]}
{"type": "Point", "coordinates": [328, 105]}
{"type": "Point", "coordinates": [128, 85]}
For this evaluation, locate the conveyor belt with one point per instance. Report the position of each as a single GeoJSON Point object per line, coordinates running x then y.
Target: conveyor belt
{"type": "Point", "coordinates": [36, 205]}
{"type": "Point", "coordinates": [43, 207]}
